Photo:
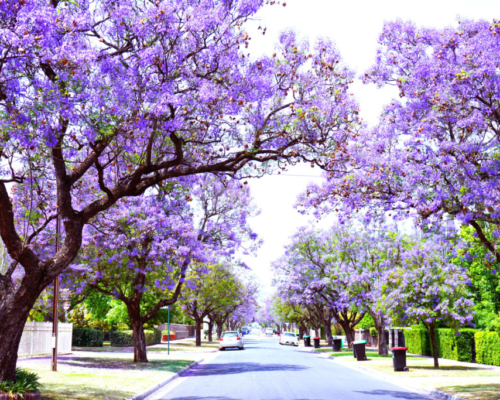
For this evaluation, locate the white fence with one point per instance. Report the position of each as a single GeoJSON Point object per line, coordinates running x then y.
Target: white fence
{"type": "Point", "coordinates": [37, 339]}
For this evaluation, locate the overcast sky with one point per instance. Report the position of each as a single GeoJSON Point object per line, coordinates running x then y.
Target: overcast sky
{"type": "Point", "coordinates": [355, 26]}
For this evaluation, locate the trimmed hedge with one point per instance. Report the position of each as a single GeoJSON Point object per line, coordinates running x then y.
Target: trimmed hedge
{"type": "Point", "coordinates": [126, 338]}
{"type": "Point", "coordinates": [418, 341]}
{"type": "Point", "coordinates": [459, 347]}
{"type": "Point", "coordinates": [449, 345]}
{"type": "Point", "coordinates": [121, 339]}
{"type": "Point", "coordinates": [153, 336]}
{"type": "Point", "coordinates": [487, 348]}
{"type": "Point", "coordinates": [87, 337]}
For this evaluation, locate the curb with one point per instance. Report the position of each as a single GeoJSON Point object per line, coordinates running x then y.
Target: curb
{"type": "Point", "coordinates": [414, 388]}
{"type": "Point", "coordinates": [154, 388]}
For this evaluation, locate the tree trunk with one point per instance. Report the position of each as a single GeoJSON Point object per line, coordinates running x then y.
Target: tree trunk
{"type": "Point", "coordinates": [432, 334]}
{"type": "Point", "coordinates": [349, 333]}
{"type": "Point", "coordinates": [382, 343]}
{"type": "Point", "coordinates": [11, 330]}
{"type": "Point", "coordinates": [210, 327]}
{"type": "Point", "coordinates": [15, 306]}
{"type": "Point", "coordinates": [316, 330]}
{"type": "Point", "coordinates": [328, 333]}
{"type": "Point", "coordinates": [134, 313]}
{"type": "Point", "coordinates": [302, 330]}
{"type": "Point", "coordinates": [198, 326]}
{"type": "Point", "coordinates": [380, 326]}
{"type": "Point", "coordinates": [219, 330]}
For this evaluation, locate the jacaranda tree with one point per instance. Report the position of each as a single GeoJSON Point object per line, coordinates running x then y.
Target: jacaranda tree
{"type": "Point", "coordinates": [141, 252]}
{"type": "Point", "coordinates": [102, 100]}
{"type": "Point", "coordinates": [434, 153]}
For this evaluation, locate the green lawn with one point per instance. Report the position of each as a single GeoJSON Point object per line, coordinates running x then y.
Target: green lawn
{"type": "Point", "coordinates": [468, 382]}
{"type": "Point", "coordinates": [105, 376]}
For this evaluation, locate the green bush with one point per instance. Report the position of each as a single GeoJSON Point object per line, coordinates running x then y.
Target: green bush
{"type": "Point", "coordinates": [418, 341]}
{"type": "Point", "coordinates": [24, 382]}
{"type": "Point", "coordinates": [87, 337]}
{"type": "Point", "coordinates": [126, 338]}
{"type": "Point", "coordinates": [449, 345]}
{"type": "Point", "coordinates": [459, 347]}
{"type": "Point", "coordinates": [122, 339]}
{"type": "Point", "coordinates": [373, 332]}
{"type": "Point", "coordinates": [487, 348]}
{"type": "Point", "coordinates": [153, 336]}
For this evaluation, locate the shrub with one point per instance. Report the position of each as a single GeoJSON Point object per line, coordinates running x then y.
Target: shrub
{"type": "Point", "coordinates": [126, 338]}
{"type": "Point", "coordinates": [373, 332]}
{"type": "Point", "coordinates": [153, 336]}
{"type": "Point", "coordinates": [121, 339]}
{"type": "Point", "coordinates": [418, 341]}
{"type": "Point", "coordinates": [24, 382]}
{"type": "Point", "coordinates": [459, 347]}
{"type": "Point", "coordinates": [487, 348]}
{"type": "Point", "coordinates": [449, 345]}
{"type": "Point", "coordinates": [87, 337]}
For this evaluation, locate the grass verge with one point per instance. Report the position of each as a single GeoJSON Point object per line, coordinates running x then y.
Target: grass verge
{"type": "Point", "coordinates": [468, 382]}
{"type": "Point", "coordinates": [107, 377]}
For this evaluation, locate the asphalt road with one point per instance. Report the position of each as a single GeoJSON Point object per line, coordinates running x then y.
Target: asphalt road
{"type": "Point", "coordinates": [267, 371]}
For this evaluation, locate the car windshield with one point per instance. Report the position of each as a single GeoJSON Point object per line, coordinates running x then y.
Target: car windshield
{"type": "Point", "coordinates": [289, 334]}
{"type": "Point", "coordinates": [230, 334]}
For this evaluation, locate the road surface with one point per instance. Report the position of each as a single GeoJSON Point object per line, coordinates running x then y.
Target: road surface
{"type": "Point", "coordinates": [267, 371]}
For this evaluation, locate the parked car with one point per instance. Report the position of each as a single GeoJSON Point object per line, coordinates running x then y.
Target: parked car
{"type": "Point", "coordinates": [269, 331]}
{"type": "Point", "coordinates": [289, 338]}
{"type": "Point", "coordinates": [231, 339]}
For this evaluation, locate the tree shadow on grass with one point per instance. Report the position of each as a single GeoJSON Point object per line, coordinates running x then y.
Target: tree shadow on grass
{"type": "Point", "coordinates": [239, 368]}
{"type": "Point", "coordinates": [126, 364]}
{"type": "Point", "coordinates": [445, 368]}
{"type": "Point", "coordinates": [396, 394]}
{"type": "Point", "coordinates": [70, 391]}
{"type": "Point", "coordinates": [487, 391]}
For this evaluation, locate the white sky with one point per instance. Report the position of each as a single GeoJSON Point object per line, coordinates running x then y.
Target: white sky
{"type": "Point", "coordinates": [355, 26]}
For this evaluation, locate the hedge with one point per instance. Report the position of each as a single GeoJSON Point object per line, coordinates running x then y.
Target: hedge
{"type": "Point", "coordinates": [418, 341]}
{"type": "Point", "coordinates": [459, 347]}
{"type": "Point", "coordinates": [87, 337]}
{"type": "Point", "coordinates": [126, 338]}
{"type": "Point", "coordinates": [487, 348]}
{"type": "Point", "coordinates": [449, 345]}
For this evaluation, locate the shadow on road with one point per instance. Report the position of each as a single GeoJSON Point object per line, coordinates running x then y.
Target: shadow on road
{"type": "Point", "coordinates": [396, 394]}
{"type": "Point", "coordinates": [203, 398]}
{"type": "Point", "coordinates": [239, 368]}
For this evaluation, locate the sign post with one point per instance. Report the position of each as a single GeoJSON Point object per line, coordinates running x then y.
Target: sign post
{"type": "Point", "coordinates": [168, 350]}
{"type": "Point", "coordinates": [55, 310]}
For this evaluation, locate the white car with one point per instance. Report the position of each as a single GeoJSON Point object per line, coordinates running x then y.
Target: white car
{"type": "Point", "coordinates": [289, 338]}
{"type": "Point", "coordinates": [269, 331]}
{"type": "Point", "coordinates": [231, 339]}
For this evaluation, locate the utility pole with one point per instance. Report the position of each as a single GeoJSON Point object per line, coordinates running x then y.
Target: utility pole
{"type": "Point", "coordinates": [55, 312]}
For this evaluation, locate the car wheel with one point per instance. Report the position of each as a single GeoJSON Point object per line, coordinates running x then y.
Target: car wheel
{"type": "Point", "coordinates": [242, 348]}
{"type": "Point", "coordinates": [222, 349]}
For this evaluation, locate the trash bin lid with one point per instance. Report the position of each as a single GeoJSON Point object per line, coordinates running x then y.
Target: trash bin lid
{"type": "Point", "coordinates": [307, 336]}
{"type": "Point", "coordinates": [360, 342]}
{"type": "Point", "coordinates": [399, 348]}
{"type": "Point", "coordinates": [317, 338]}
